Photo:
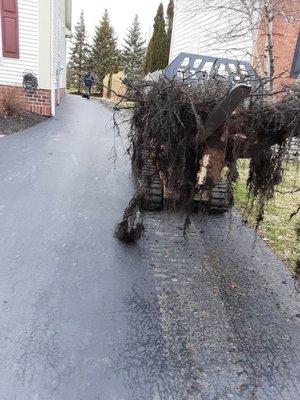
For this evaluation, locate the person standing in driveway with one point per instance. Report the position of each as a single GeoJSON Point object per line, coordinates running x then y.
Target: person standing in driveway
{"type": "Point", "coordinates": [89, 82]}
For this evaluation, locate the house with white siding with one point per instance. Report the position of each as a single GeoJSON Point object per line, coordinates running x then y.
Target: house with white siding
{"type": "Point", "coordinates": [201, 30]}
{"type": "Point", "coordinates": [33, 50]}
{"type": "Point", "coordinates": [218, 31]}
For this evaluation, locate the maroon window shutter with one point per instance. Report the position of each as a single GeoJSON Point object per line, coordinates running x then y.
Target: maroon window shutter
{"type": "Point", "coordinates": [10, 28]}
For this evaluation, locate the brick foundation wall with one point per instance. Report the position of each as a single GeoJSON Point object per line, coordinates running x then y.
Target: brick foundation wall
{"type": "Point", "coordinates": [37, 101]}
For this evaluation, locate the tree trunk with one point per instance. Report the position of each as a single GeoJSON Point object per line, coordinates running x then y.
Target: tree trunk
{"type": "Point", "coordinates": [269, 64]}
{"type": "Point", "coordinates": [100, 80]}
{"type": "Point", "coordinates": [109, 85]}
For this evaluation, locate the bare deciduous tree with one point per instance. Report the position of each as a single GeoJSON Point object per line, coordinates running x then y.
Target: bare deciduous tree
{"type": "Point", "coordinates": [251, 19]}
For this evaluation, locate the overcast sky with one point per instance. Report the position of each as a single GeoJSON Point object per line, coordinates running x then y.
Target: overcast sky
{"type": "Point", "coordinates": [121, 14]}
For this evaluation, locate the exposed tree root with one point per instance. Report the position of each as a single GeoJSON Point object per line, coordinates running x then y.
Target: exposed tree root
{"type": "Point", "coordinates": [168, 120]}
{"type": "Point", "coordinates": [130, 228]}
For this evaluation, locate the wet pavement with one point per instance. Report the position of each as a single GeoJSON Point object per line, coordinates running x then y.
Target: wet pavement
{"type": "Point", "coordinates": [84, 317]}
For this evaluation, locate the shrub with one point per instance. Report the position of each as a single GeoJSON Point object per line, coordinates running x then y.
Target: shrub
{"type": "Point", "coordinates": [12, 104]}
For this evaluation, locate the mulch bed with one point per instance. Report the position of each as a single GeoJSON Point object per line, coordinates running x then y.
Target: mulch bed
{"type": "Point", "coordinates": [10, 125]}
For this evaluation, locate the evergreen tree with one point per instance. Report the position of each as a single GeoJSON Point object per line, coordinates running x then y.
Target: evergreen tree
{"type": "Point", "coordinates": [157, 54]}
{"type": "Point", "coordinates": [79, 56]}
{"type": "Point", "coordinates": [170, 14]}
{"type": "Point", "coordinates": [133, 56]}
{"type": "Point", "coordinates": [105, 56]}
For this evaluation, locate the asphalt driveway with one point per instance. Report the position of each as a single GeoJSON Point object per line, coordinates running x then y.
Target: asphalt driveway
{"type": "Point", "coordinates": [83, 317]}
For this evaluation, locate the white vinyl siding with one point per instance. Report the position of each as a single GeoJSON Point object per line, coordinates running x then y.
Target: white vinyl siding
{"type": "Point", "coordinates": [59, 47]}
{"type": "Point", "coordinates": [12, 70]}
{"type": "Point", "coordinates": [203, 31]}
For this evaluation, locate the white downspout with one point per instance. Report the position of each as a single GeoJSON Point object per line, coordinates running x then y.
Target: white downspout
{"type": "Point", "coordinates": [52, 80]}
{"type": "Point", "coordinates": [173, 32]}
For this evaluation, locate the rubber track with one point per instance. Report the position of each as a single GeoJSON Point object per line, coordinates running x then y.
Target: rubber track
{"type": "Point", "coordinates": [149, 175]}
{"type": "Point", "coordinates": [221, 198]}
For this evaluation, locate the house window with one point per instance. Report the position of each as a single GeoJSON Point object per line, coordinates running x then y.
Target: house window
{"type": "Point", "coordinates": [10, 28]}
{"type": "Point", "coordinates": [296, 64]}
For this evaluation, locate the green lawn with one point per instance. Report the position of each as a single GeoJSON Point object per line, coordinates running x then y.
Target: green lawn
{"type": "Point", "coordinates": [277, 228]}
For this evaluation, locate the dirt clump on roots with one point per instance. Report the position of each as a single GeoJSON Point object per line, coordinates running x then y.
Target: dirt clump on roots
{"type": "Point", "coordinates": [131, 227]}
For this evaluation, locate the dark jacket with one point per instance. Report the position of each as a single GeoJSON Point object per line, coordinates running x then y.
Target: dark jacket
{"type": "Point", "coordinates": [88, 80]}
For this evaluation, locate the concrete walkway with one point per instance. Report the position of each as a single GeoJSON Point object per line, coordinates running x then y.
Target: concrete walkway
{"type": "Point", "coordinates": [83, 317]}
